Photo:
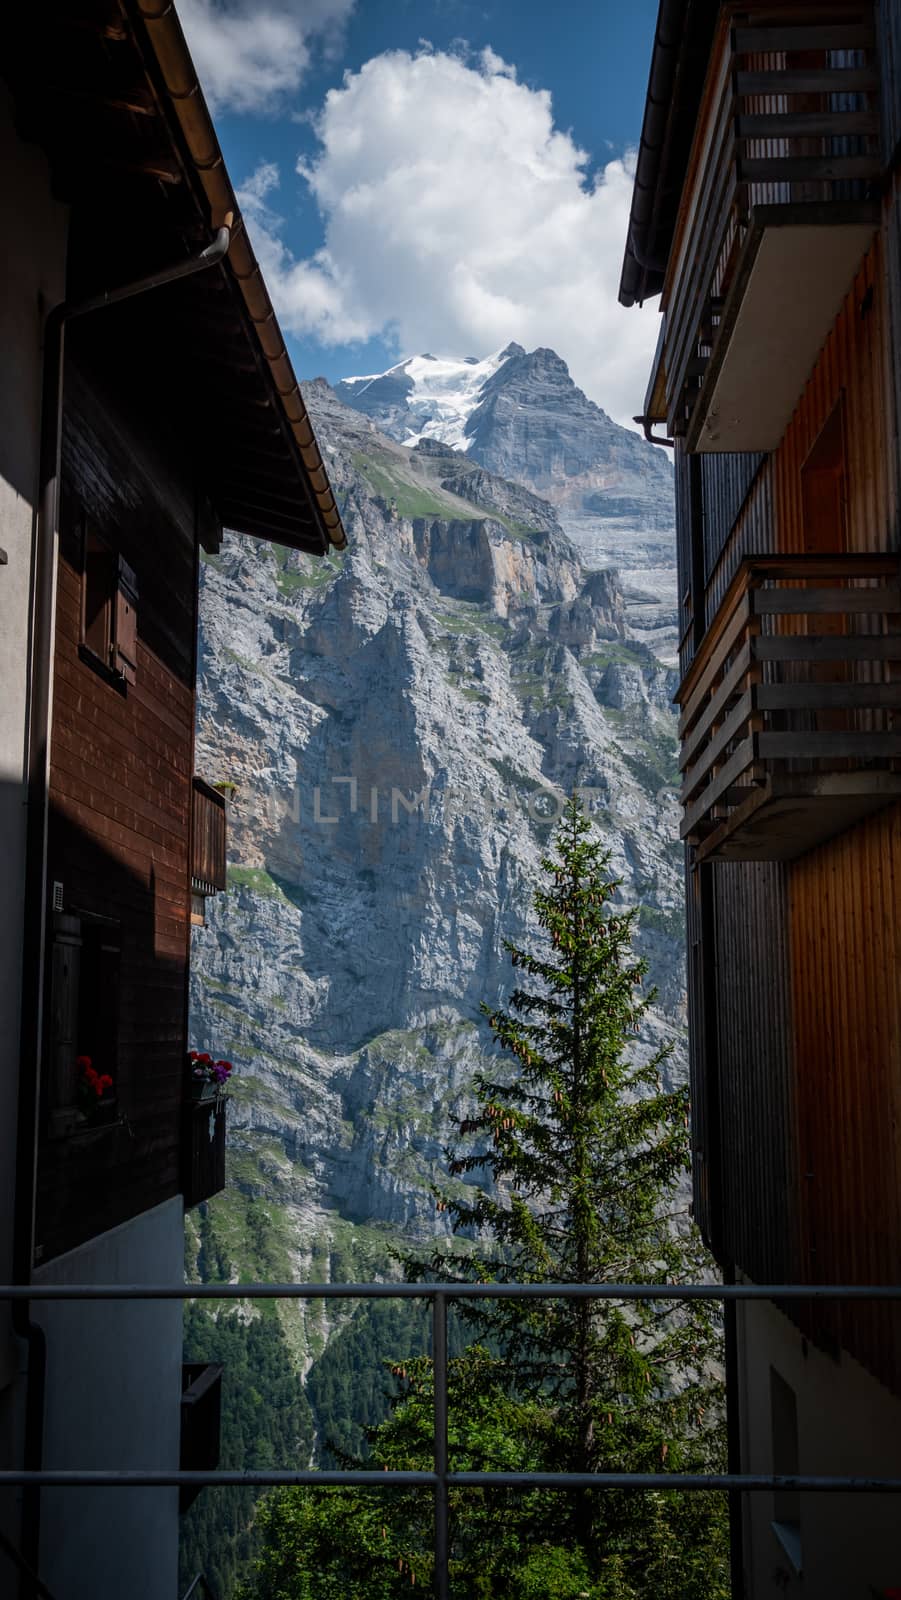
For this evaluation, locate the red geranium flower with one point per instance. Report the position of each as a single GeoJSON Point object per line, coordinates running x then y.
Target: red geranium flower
{"type": "Point", "coordinates": [82, 1063]}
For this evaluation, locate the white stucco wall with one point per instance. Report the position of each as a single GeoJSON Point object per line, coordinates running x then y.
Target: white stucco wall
{"type": "Point", "coordinates": [848, 1424]}
{"type": "Point", "coordinates": [32, 277]}
{"type": "Point", "coordinates": [112, 1400]}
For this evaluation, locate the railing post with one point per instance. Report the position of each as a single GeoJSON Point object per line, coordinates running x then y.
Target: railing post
{"type": "Point", "coordinates": [439, 1367]}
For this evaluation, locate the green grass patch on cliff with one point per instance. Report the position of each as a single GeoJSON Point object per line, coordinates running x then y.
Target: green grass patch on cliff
{"type": "Point", "coordinates": [257, 880]}
{"type": "Point", "coordinates": [295, 571]}
{"type": "Point", "coordinates": [408, 497]}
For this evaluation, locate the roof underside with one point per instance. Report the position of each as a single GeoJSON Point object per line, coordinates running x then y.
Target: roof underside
{"type": "Point", "coordinates": [682, 44]}
{"type": "Point", "coordinates": [131, 148]}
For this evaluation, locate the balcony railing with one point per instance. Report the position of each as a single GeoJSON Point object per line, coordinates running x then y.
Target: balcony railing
{"type": "Point", "coordinates": [791, 710]}
{"type": "Point", "coordinates": [778, 215]}
{"type": "Point", "coordinates": [441, 1479]}
{"type": "Point", "coordinates": [208, 845]}
{"type": "Point", "coordinates": [203, 1149]}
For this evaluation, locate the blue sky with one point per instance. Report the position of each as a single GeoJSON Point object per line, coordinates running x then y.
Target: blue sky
{"type": "Point", "coordinates": [442, 174]}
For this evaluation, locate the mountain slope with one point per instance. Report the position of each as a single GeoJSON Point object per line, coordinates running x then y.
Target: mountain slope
{"type": "Point", "coordinates": [398, 723]}
{"type": "Point", "coordinates": [519, 415]}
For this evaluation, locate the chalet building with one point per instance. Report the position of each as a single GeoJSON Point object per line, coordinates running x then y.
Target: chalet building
{"type": "Point", "coordinates": [766, 216]}
{"type": "Point", "coordinates": [147, 400]}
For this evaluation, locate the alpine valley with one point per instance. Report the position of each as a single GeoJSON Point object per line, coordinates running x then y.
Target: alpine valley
{"type": "Point", "coordinates": [398, 726]}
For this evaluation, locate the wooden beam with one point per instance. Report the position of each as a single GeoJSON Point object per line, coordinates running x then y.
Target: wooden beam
{"type": "Point", "coordinates": [806, 124]}
{"type": "Point", "coordinates": [840, 36]}
{"type": "Point", "coordinates": [828, 647]}
{"type": "Point", "coordinates": [823, 696]}
{"type": "Point", "coordinates": [807, 169]}
{"type": "Point", "coordinates": [857, 746]}
{"type": "Point", "coordinates": [239, 507]}
{"type": "Point", "coordinates": [797, 602]}
{"type": "Point", "coordinates": [136, 100]}
{"type": "Point", "coordinates": [808, 80]}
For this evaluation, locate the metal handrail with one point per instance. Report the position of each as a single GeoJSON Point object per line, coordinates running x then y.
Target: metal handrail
{"type": "Point", "coordinates": [200, 1582]}
{"type": "Point", "coordinates": [441, 1479]}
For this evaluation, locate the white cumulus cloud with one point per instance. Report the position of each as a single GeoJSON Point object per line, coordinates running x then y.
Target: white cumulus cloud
{"type": "Point", "coordinates": [457, 217]}
{"type": "Point", "coordinates": [251, 56]}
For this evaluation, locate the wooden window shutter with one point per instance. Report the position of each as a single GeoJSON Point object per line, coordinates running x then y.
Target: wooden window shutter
{"type": "Point", "coordinates": [125, 635]}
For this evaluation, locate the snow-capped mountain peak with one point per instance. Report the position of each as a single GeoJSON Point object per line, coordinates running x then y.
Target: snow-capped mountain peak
{"type": "Point", "coordinates": [433, 397]}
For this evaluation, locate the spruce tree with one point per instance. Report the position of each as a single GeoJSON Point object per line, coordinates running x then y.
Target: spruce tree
{"type": "Point", "coordinates": [588, 1155]}
{"type": "Point", "coordinates": [571, 1169]}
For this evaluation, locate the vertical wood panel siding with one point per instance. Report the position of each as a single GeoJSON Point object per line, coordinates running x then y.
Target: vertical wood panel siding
{"type": "Point", "coordinates": [845, 911]}
{"type": "Point", "coordinates": [753, 1042]}
{"type": "Point", "coordinates": [852, 366]}
{"type": "Point", "coordinates": [120, 807]}
{"type": "Point", "coordinates": [701, 1063]}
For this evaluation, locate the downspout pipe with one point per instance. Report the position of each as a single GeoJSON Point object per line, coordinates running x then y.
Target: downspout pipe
{"type": "Point", "coordinates": [37, 779]}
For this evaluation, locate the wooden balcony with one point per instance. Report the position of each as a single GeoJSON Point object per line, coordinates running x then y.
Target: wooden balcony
{"type": "Point", "coordinates": [208, 846]}
{"type": "Point", "coordinates": [203, 1149]}
{"type": "Point", "coordinates": [791, 710]}
{"type": "Point", "coordinates": [781, 206]}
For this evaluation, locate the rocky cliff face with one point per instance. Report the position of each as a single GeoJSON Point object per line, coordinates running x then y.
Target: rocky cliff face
{"type": "Point", "coordinates": [401, 725]}
{"type": "Point", "coordinates": [519, 415]}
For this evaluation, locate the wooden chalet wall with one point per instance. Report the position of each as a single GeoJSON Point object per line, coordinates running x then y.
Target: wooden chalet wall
{"type": "Point", "coordinates": [796, 1068]}
{"type": "Point", "coordinates": [120, 798]}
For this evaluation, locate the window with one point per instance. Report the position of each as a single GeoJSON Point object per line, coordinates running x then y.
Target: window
{"type": "Point", "coordinates": [786, 1502]}
{"type": "Point", "coordinates": [109, 602]}
{"type": "Point", "coordinates": [84, 1009]}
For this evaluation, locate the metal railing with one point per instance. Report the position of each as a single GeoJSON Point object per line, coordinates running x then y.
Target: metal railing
{"type": "Point", "coordinates": [441, 1480]}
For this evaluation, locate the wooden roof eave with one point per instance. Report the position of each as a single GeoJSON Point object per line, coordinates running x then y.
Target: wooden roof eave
{"type": "Point", "coordinates": [160, 26]}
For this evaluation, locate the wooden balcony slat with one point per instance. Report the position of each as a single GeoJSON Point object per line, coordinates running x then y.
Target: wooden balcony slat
{"type": "Point", "coordinates": [728, 636]}
{"type": "Point", "coordinates": [806, 124]}
{"type": "Point", "coordinates": [789, 602]}
{"type": "Point", "coordinates": [717, 746]}
{"type": "Point", "coordinates": [807, 169]}
{"type": "Point", "coordinates": [860, 746]}
{"type": "Point", "coordinates": [825, 696]}
{"type": "Point", "coordinates": [808, 80]}
{"type": "Point", "coordinates": [727, 775]}
{"type": "Point", "coordinates": [719, 700]}
{"type": "Point", "coordinates": [828, 647]}
{"type": "Point", "coordinates": [839, 36]}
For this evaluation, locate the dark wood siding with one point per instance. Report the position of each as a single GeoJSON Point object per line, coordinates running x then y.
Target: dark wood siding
{"type": "Point", "coordinates": [725, 481]}
{"type": "Point", "coordinates": [120, 806]}
{"type": "Point", "coordinates": [682, 469]}
{"type": "Point", "coordinates": [888, 26]}
{"type": "Point", "coordinates": [753, 1046]}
